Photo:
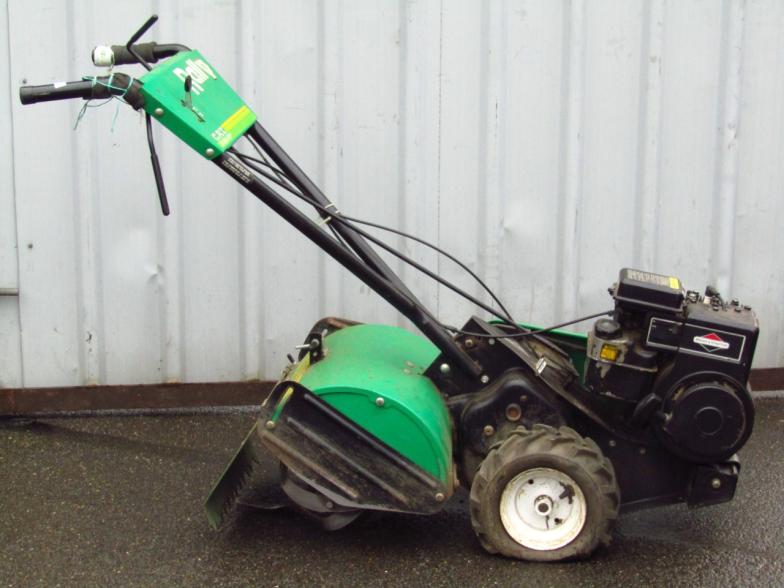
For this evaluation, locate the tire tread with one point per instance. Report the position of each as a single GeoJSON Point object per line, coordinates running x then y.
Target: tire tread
{"type": "Point", "coordinates": [563, 442]}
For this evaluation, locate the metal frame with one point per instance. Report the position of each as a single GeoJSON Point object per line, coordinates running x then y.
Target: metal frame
{"type": "Point", "coordinates": [356, 255]}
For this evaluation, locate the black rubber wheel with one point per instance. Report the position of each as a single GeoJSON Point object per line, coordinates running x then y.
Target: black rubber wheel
{"type": "Point", "coordinates": [544, 494]}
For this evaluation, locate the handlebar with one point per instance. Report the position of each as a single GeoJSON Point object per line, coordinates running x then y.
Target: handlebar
{"type": "Point", "coordinates": [59, 91]}
{"type": "Point", "coordinates": [152, 52]}
{"type": "Point", "coordinates": [107, 86]}
{"type": "Point", "coordinates": [117, 84]}
{"type": "Point", "coordinates": [103, 87]}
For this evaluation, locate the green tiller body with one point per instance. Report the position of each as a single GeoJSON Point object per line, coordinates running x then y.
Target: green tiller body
{"type": "Point", "coordinates": [552, 433]}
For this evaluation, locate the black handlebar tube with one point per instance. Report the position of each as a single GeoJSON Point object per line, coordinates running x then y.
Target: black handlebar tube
{"type": "Point", "coordinates": [63, 91]}
{"type": "Point", "coordinates": [121, 85]}
{"type": "Point", "coordinates": [408, 306]}
{"type": "Point", "coordinates": [151, 52]}
{"type": "Point", "coordinates": [312, 192]}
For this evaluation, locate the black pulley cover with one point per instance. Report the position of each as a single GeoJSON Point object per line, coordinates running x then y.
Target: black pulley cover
{"type": "Point", "coordinates": [707, 420]}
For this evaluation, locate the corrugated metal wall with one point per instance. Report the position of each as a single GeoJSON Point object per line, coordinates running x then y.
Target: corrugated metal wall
{"type": "Point", "coordinates": [546, 143]}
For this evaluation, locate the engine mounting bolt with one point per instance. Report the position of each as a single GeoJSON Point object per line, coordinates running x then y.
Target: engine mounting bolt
{"type": "Point", "coordinates": [469, 343]}
{"type": "Point", "coordinates": [209, 152]}
{"type": "Point", "coordinates": [612, 443]}
{"type": "Point", "coordinates": [484, 379]}
{"type": "Point", "coordinates": [513, 412]}
{"type": "Point", "coordinates": [715, 483]}
{"type": "Point", "coordinates": [491, 341]}
{"type": "Point", "coordinates": [329, 504]}
{"type": "Point", "coordinates": [642, 451]}
{"type": "Point", "coordinates": [440, 497]}
{"type": "Point", "coordinates": [488, 430]}
{"type": "Point", "coordinates": [159, 111]}
{"type": "Point", "coordinates": [444, 368]}
{"type": "Point", "coordinates": [379, 401]}
{"type": "Point", "coordinates": [270, 425]}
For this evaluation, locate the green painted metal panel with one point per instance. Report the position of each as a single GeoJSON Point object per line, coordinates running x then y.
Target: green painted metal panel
{"type": "Point", "coordinates": [373, 375]}
{"type": "Point", "coordinates": [210, 118]}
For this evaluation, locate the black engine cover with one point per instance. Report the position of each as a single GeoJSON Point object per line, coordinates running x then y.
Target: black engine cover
{"type": "Point", "coordinates": [707, 409]}
{"type": "Point", "coordinates": [681, 360]}
{"type": "Point", "coordinates": [706, 418]}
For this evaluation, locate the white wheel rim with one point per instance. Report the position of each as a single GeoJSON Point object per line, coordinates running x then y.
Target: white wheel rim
{"type": "Point", "coordinates": [543, 509]}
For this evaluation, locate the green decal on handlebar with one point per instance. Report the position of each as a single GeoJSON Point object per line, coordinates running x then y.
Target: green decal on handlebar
{"type": "Point", "coordinates": [205, 112]}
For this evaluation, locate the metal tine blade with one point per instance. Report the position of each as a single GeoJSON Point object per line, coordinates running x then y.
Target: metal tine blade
{"type": "Point", "coordinates": [224, 495]}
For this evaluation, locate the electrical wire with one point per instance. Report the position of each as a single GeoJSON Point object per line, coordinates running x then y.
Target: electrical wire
{"type": "Point", "coordinates": [285, 182]}
{"type": "Point", "coordinates": [281, 175]}
{"type": "Point", "coordinates": [527, 333]}
{"type": "Point", "coordinates": [344, 220]}
{"type": "Point", "coordinates": [505, 315]}
{"type": "Point", "coordinates": [282, 179]}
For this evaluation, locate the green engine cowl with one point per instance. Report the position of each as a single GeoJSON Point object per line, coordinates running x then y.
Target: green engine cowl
{"type": "Point", "coordinates": [373, 375]}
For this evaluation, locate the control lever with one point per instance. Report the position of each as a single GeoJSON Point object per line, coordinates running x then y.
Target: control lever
{"type": "Point", "coordinates": [156, 165]}
{"type": "Point", "coordinates": [188, 101]}
{"type": "Point", "coordinates": [136, 36]}
{"type": "Point", "coordinates": [156, 169]}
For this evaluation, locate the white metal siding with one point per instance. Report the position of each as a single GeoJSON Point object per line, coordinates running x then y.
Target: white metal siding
{"type": "Point", "coordinates": [10, 348]}
{"type": "Point", "coordinates": [545, 143]}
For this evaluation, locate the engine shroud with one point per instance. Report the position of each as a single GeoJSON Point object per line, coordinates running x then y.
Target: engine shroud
{"type": "Point", "coordinates": [680, 362]}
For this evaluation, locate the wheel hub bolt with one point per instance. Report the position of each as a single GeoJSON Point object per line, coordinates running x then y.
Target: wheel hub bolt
{"type": "Point", "coordinates": [543, 505]}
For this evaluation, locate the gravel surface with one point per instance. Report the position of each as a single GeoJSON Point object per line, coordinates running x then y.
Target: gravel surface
{"type": "Point", "coordinates": [106, 501]}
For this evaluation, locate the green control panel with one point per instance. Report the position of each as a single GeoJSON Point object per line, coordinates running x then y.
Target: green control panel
{"type": "Point", "coordinates": [189, 98]}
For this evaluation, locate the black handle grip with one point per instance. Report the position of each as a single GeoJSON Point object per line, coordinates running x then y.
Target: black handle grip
{"type": "Point", "coordinates": [119, 55]}
{"type": "Point", "coordinates": [61, 91]}
{"type": "Point", "coordinates": [123, 57]}
{"type": "Point", "coordinates": [103, 87]}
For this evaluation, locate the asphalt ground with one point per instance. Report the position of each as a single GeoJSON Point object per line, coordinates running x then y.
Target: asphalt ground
{"type": "Point", "coordinates": [116, 501]}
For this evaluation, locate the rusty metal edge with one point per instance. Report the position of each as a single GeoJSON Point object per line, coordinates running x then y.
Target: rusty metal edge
{"type": "Point", "coordinates": [26, 401]}
{"type": "Point", "coordinates": [764, 379]}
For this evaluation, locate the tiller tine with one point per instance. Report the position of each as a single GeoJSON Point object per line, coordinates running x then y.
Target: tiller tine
{"type": "Point", "coordinates": [240, 470]}
{"type": "Point", "coordinates": [341, 460]}
{"type": "Point", "coordinates": [336, 458]}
